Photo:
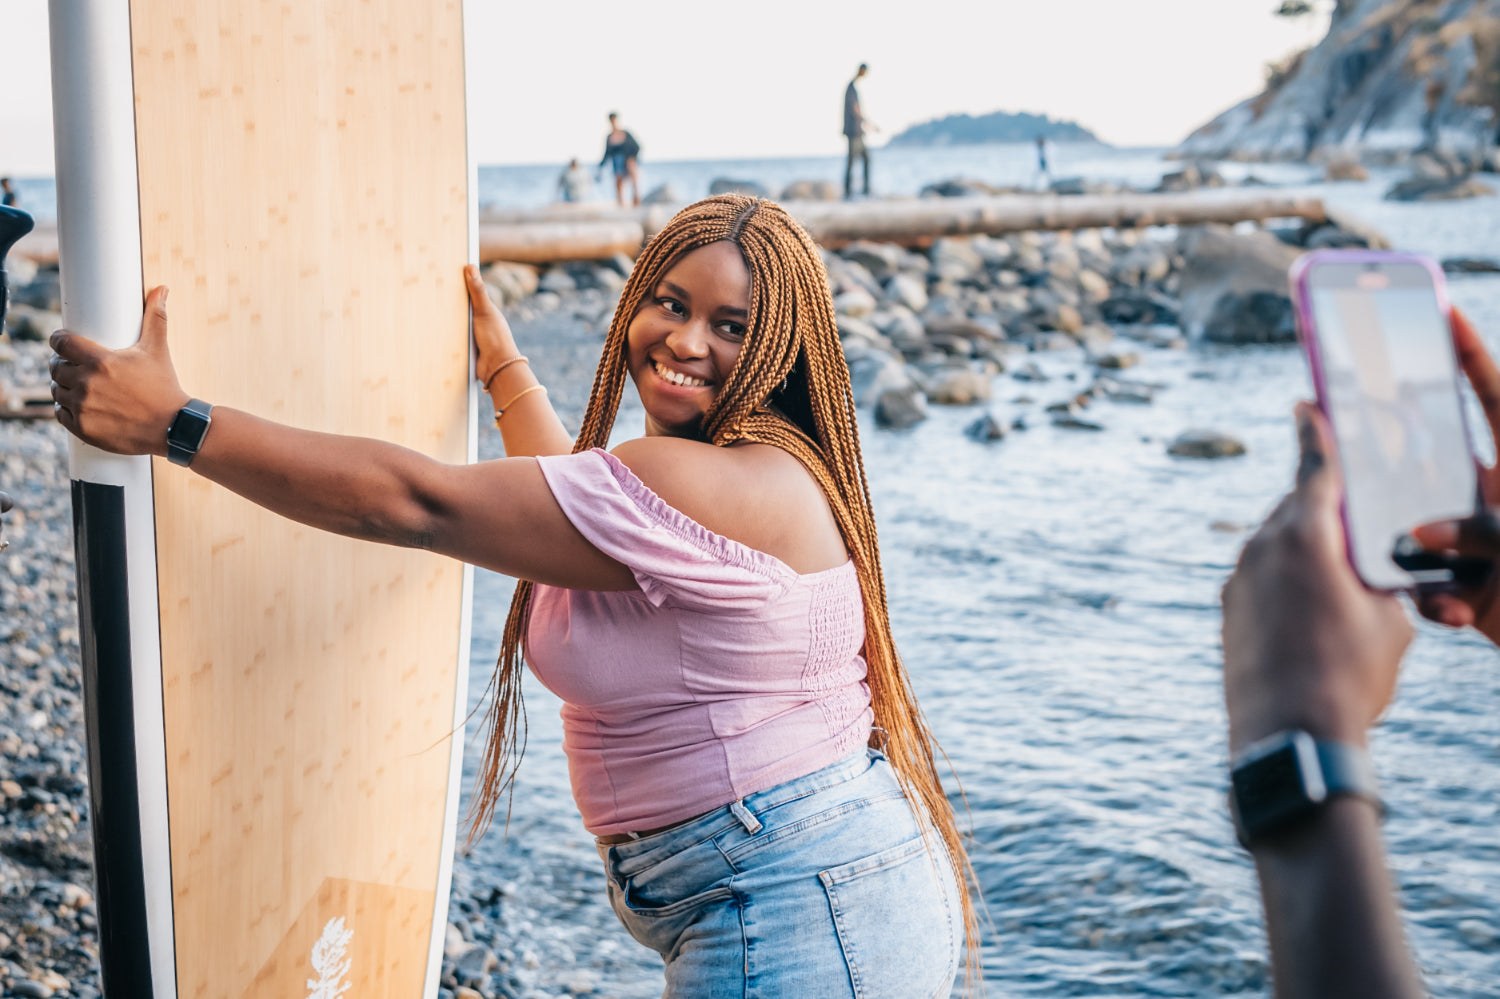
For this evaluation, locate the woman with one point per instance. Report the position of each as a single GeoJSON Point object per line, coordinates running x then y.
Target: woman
{"type": "Point", "coordinates": [707, 600]}
{"type": "Point", "coordinates": [620, 153]}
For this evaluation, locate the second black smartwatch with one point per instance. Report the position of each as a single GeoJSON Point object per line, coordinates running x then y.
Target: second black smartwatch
{"type": "Point", "coordinates": [189, 427]}
{"type": "Point", "coordinates": [1287, 777]}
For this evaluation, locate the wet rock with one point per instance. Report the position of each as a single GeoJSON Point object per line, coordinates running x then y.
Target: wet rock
{"type": "Point", "coordinates": [34, 325]}
{"type": "Point", "coordinates": [851, 328]}
{"type": "Point", "coordinates": [1471, 265]}
{"type": "Point", "coordinates": [959, 187]}
{"type": "Point", "coordinates": [1438, 189]}
{"type": "Point", "coordinates": [728, 185]}
{"type": "Point", "coordinates": [1118, 360]}
{"type": "Point", "coordinates": [880, 259]}
{"type": "Point", "coordinates": [1251, 317]}
{"type": "Point", "coordinates": [664, 194]}
{"type": "Point", "coordinates": [1029, 372]}
{"type": "Point", "coordinates": [1205, 444]}
{"type": "Point", "coordinates": [1137, 307]}
{"type": "Point", "coordinates": [1220, 262]}
{"type": "Point", "coordinates": [1067, 421]}
{"type": "Point", "coordinates": [873, 372]}
{"type": "Point", "coordinates": [899, 325]}
{"type": "Point", "coordinates": [900, 408]}
{"type": "Point", "coordinates": [985, 429]}
{"type": "Point", "coordinates": [1191, 178]}
{"type": "Point", "coordinates": [558, 281]}
{"type": "Point", "coordinates": [30, 989]}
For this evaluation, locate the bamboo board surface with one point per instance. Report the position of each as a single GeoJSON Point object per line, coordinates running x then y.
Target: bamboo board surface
{"type": "Point", "coordinates": [304, 192]}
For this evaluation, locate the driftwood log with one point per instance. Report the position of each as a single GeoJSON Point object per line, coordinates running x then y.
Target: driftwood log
{"type": "Point", "coordinates": [590, 232]}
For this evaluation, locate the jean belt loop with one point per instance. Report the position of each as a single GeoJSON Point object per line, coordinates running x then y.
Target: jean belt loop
{"type": "Point", "coordinates": [750, 822]}
{"type": "Point", "coordinates": [880, 741]}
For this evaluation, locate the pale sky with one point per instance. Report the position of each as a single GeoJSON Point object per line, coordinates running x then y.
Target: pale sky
{"type": "Point", "coordinates": [699, 80]}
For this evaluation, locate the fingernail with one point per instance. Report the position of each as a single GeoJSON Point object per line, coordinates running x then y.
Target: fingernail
{"type": "Point", "coordinates": [165, 291]}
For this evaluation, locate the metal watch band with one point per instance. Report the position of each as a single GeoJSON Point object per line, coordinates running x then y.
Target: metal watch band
{"type": "Point", "coordinates": [189, 428]}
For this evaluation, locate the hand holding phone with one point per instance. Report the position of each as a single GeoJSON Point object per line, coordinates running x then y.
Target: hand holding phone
{"type": "Point", "coordinates": [1380, 343]}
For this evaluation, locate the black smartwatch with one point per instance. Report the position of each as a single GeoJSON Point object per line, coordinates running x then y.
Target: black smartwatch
{"type": "Point", "coordinates": [1286, 778]}
{"type": "Point", "coordinates": [189, 427]}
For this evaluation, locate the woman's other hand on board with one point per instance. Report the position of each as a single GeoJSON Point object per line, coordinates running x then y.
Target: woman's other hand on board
{"type": "Point", "coordinates": [493, 342]}
{"type": "Point", "coordinates": [1478, 536]}
{"type": "Point", "coordinates": [1306, 645]}
{"type": "Point", "coordinates": [121, 401]}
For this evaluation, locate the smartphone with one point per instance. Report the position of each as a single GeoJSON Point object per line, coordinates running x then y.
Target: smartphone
{"type": "Point", "coordinates": [1378, 338]}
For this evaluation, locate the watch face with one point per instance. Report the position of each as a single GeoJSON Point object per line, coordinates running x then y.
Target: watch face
{"type": "Point", "coordinates": [187, 430]}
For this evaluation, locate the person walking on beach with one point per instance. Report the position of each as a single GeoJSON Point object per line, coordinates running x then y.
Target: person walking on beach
{"type": "Point", "coordinates": [855, 124]}
{"type": "Point", "coordinates": [620, 153]}
{"type": "Point", "coordinates": [573, 184]}
{"type": "Point", "coordinates": [707, 600]}
{"type": "Point", "coordinates": [8, 197]}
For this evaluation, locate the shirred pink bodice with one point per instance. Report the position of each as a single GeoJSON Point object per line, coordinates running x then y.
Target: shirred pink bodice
{"type": "Point", "coordinates": [726, 673]}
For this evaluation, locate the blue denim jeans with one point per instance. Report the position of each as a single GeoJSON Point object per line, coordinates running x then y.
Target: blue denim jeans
{"type": "Point", "coordinates": [823, 886]}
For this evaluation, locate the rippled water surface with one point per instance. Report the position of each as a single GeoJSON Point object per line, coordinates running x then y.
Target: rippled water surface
{"type": "Point", "coordinates": [1056, 597]}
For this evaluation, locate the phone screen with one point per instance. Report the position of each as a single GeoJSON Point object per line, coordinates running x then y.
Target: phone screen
{"type": "Point", "coordinates": [1389, 382]}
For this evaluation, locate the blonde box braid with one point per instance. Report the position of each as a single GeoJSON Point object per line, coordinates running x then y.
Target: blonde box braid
{"type": "Point", "coordinates": [790, 389]}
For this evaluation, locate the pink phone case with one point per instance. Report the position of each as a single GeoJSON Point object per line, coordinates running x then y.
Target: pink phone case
{"type": "Point", "coordinates": [1302, 306]}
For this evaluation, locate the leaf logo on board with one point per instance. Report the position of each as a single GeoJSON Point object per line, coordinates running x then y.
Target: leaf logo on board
{"type": "Point", "coordinates": [329, 962]}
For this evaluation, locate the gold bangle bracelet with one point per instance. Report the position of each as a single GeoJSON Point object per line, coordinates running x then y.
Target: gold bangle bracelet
{"type": "Point", "coordinates": [518, 359]}
{"type": "Point", "coordinates": [502, 410]}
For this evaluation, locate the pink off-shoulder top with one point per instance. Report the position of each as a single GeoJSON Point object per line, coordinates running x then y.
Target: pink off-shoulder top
{"type": "Point", "coordinates": [726, 673]}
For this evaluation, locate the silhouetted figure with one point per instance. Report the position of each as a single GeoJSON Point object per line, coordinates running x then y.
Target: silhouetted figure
{"type": "Point", "coordinates": [620, 152]}
{"type": "Point", "coordinates": [854, 131]}
{"type": "Point", "coordinates": [8, 197]}
{"type": "Point", "coordinates": [1043, 171]}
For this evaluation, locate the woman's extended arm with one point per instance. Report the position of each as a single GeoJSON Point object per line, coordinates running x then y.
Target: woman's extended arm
{"type": "Point", "coordinates": [530, 426]}
{"type": "Point", "coordinates": [498, 514]}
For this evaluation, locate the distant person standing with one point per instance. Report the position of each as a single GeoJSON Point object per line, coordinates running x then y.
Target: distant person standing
{"type": "Point", "coordinates": [620, 153]}
{"type": "Point", "coordinates": [8, 194]}
{"type": "Point", "coordinates": [854, 130]}
{"type": "Point", "coordinates": [1043, 172]}
{"type": "Point", "coordinates": [573, 184]}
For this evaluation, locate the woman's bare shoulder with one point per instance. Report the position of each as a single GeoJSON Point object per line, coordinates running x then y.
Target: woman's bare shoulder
{"type": "Point", "coordinates": [756, 494]}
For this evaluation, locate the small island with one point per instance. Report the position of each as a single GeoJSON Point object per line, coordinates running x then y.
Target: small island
{"type": "Point", "coordinates": [997, 126]}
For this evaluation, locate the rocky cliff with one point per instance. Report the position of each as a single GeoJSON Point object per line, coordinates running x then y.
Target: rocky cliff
{"type": "Point", "coordinates": [1391, 77]}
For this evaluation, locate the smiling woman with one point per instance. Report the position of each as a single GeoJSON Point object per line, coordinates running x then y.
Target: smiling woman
{"type": "Point", "coordinates": [707, 600]}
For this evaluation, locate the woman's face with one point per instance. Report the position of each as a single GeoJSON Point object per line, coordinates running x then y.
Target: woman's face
{"type": "Point", "coordinates": [683, 341]}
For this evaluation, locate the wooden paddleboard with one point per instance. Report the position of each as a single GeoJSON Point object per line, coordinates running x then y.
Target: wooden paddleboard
{"type": "Point", "coordinates": [270, 708]}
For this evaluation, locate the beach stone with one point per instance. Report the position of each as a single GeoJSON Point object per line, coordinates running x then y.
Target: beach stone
{"type": "Point", "coordinates": [955, 258]}
{"type": "Point", "coordinates": [475, 964]}
{"type": "Point", "coordinates": [811, 190]}
{"type": "Point", "coordinates": [1345, 168]}
{"type": "Point", "coordinates": [873, 371]}
{"type": "Point", "coordinates": [1205, 444]}
{"type": "Point", "coordinates": [31, 324]}
{"type": "Point", "coordinates": [908, 291]}
{"type": "Point", "coordinates": [1068, 421]}
{"type": "Point", "coordinates": [1030, 372]}
{"type": "Point", "coordinates": [959, 187]}
{"type": "Point", "coordinates": [1095, 286]}
{"type": "Point", "coordinates": [1064, 318]}
{"type": "Point", "coordinates": [1251, 317]}
{"type": "Point", "coordinates": [30, 989]}
{"type": "Point", "coordinates": [854, 327]}
{"type": "Point", "coordinates": [900, 408]}
{"type": "Point", "coordinates": [558, 281]}
{"type": "Point", "coordinates": [856, 302]}
{"type": "Point", "coordinates": [1191, 178]}
{"type": "Point", "coordinates": [967, 329]}
{"type": "Point", "coordinates": [1420, 188]}
{"type": "Point", "coordinates": [1147, 308]}
{"type": "Point", "coordinates": [959, 387]}
{"type": "Point", "coordinates": [728, 185]}
{"type": "Point", "coordinates": [880, 259]}
{"type": "Point", "coordinates": [900, 326]}
{"type": "Point", "coordinates": [1118, 360]}
{"type": "Point", "coordinates": [985, 429]}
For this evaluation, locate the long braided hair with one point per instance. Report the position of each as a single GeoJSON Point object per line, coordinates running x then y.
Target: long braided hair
{"type": "Point", "coordinates": [789, 388]}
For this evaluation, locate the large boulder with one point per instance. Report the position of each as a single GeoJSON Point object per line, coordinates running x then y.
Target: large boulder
{"type": "Point", "coordinates": [663, 194]}
{"type": "Point", "coordinates": [873, 371]}
{"type": "Point", "coordinates": [899, 408]}
{"type": "Point", "coordinates": [959, 187]}
{"type": "Point", "coordinates": [880, 259]}
{"type": "Point", "coordinates": [1251, 317]}
{"type": "Point", "coordinates": [729, 185]}
{"type": "Point", "coordinates": [1220, 262]}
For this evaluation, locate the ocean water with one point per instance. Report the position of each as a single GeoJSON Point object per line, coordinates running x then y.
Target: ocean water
{"type": "Point", "coordinates": [1056, 597]}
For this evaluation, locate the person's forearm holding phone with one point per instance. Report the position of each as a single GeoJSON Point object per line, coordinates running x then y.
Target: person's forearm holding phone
{"type": "Point", "coordinates": [1307, 647]}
